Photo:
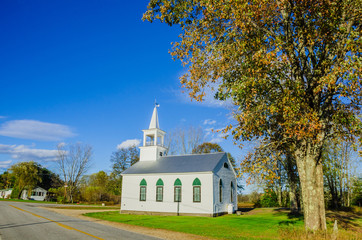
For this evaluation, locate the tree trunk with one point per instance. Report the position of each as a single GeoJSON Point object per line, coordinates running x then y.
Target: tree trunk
{"type": "Point", "coordinates": [279, 192]}
{"type": "Point", "coordinates": [293, 202]}
{"type": "Point", "coordinates": [292, 181]}
{"type": "Point", "coordinates": [311, 178]}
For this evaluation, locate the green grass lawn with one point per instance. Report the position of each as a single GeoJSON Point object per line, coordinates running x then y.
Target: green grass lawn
{"type": "Point", "coordinates": [21, 200]}
{"type": "Point", "coordinates": [70, 204]}
{"type": "Point", "coordinates": [258, 223]}
{"type": "Point", "coordinates": [88, 207]}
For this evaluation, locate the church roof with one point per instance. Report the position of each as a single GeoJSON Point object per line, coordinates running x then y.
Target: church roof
{"type": "Point", "coordinates": [178, 164]}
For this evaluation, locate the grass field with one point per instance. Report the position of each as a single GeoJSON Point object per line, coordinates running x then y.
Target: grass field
{"type": "Point", "coordinates": [256, 224]}
{"type": "Point", "coordinates": [21, 200]}
{"type": "Point", "coordinates": [71, 205]}
{"type": "Point", "coordinates": [89, 207]}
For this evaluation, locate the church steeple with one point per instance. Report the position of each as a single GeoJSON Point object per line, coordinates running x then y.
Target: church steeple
{"type": "Point", "coordinates": [153, 140]}
{"type": "Point", "coordinates": [154, 119]}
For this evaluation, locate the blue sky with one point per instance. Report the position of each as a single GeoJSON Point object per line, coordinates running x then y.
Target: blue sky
{"type": "Point", "coordinates": [89, 71]}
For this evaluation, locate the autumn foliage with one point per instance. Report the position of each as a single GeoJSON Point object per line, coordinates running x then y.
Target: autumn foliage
{"type": "Point", "coordinates": [291, 68]}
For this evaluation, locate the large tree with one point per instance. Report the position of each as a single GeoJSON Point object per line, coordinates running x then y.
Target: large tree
{"type": "Point", "coordinates": [73, 161]}
{"type": "Point", "coordinates": [123, 158]}
{"type": "Point", "coordinates": [26, 175]}
{"type": "Point", "coordinates": [290, 67]}
{"type": "Point", "coordinates": [275, 167]}
{"type": "Point", "coordinates": [209, 147]}
{"type": "Point", "coordinates": [183, 140]}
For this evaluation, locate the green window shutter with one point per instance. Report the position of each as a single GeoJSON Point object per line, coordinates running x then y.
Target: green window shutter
{"type": "Point", "coordinates": [196, 182]}
{"type": "Point", "coordinates": [177, 182]}
{"type": "Point", "coordinates": [143, 183]}
{"type": "Point", "coordinates": [159, 182]}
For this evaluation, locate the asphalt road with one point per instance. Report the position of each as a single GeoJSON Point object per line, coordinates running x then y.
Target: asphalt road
{"type": "Point", "coordinates": [28, 221]}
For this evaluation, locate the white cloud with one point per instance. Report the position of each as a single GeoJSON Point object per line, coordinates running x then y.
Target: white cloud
{"type": "Point", "coordinates": [208, 100]}
{"type": "Point", "coordinates": [129, 143]}
{"type": "Point", "coordinates": [209, 122]}
{"type": "Point", "coordinates": [218, 138]}
{"type": "Point", "coordinates": [35, 130]}
{"type": "Point", "coordinates": [208, 132]}
{"type": "Point", "coordinates": [5, 164]}
{"type": "Point", "coordinates": [1, 117]}
{"type": "Point", "coordinates": [25, 153]}
{"type": "Point", "coordinates": [214, 135]}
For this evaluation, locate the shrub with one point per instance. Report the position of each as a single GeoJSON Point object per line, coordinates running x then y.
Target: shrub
{"type": "Point", "coordinates": [269, 199]}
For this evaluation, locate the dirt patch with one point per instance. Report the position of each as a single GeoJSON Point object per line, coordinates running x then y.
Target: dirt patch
{"type": "Point", "coordinates": [253, 211]}
{"type": "Point", "coordinates": [160, 233]}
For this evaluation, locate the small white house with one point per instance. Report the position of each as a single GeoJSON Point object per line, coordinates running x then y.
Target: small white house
{"type": "Point", "coordinates": [196, 184]}
{"type": "Point", "coordinates": [37, 194]}
{"type": "Point", "coordinates": [5, 193]}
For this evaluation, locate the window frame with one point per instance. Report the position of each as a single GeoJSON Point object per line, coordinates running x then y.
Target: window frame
{"type": "Point", "coordinates": [220, 191]}
{"type": "Point", "coordinates": [193, 195]}
{"type": "Point", "coordinates": [232, 190]}
{"type": "Point", "coordinates": [145, 188]}
{"type": "Point", "coordinates": [157, 195]}
{"type": "Point", "coordinates": [175, 191]}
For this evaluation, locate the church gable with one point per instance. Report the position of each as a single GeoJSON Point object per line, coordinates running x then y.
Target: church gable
{"type": "Point", "coordinates": [195, 184]}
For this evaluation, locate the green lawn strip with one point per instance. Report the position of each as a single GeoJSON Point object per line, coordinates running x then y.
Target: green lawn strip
{"type": "Point", "coordinates": [263, 225]}
{"type": "Point", "coordinates": [87, 208]}
{"type": "Point", "coordinates": [70, 204]}
{"type": "Point", "coordinates": [21, 200]}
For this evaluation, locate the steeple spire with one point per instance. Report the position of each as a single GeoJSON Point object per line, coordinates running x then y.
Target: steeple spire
{"type": "Point", "coordinates": [153, 140]}
{"type": "Point", "coordinates": [154, 119]}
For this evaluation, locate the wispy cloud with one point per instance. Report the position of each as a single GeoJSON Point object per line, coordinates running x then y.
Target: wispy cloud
{"type": "Point", "coordinates": [35, 130]}
{"type": "Point", "coordinates": [209, 122]}
{"type": "Point", "coordinates": [24, 153]}
{"type": "Point", "coordinates": [129, 143]}
{"type": "Point", "coordinates": [2, 117]}
{"type": "Point", "coordinates": [212, 135]}
{"type": "Point", "coordinates": [208, 100]}
{"type": "Point", "coordinates": [5, 164]}
{"type": "Point", "coordinates": [218, 138]}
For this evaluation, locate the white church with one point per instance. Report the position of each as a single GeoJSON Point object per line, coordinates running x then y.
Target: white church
{"type": "Point", "coordinates": [194, 185]}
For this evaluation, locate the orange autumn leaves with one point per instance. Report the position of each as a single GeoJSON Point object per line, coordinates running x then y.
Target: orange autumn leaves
{"type": "Point", "coordinates": [291, 68]}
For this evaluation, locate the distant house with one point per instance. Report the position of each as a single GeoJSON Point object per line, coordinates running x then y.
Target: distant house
{"type": "Point", "coordinates": [197, 184]}
{"type": "Point", "coordinates": [5, 193]}
{"type": "Point", "coordinates": [37, 194]}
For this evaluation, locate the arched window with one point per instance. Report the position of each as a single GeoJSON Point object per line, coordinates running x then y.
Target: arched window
{"type": "Point", "coordinates": [143, 190]}
{"type": "Point", "coordinates": [232, 192]}
{"type": "Point", "coordinates": [220, 190]}
{"type": "Point", "coordinates": [226, 165]}
{"type": "Point", "coordinates": [196, 190]}
{"type": "Point", "coordinates": [159, 190]}
{"type": "Point", "coordinates": [177, 190]}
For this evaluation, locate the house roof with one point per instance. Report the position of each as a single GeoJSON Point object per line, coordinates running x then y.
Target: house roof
{"type": "Point", "coordinates": [178, 164]}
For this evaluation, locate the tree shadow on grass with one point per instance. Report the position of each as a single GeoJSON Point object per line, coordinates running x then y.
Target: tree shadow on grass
{"type": "Point", "coordinates": [244, 210]}
{"type": "Point", "coordinates": [288, 223]}
{"type": "Point", "coordinates": [346, 220]}
{"type": "Point", "coordinates": [294, 217]}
